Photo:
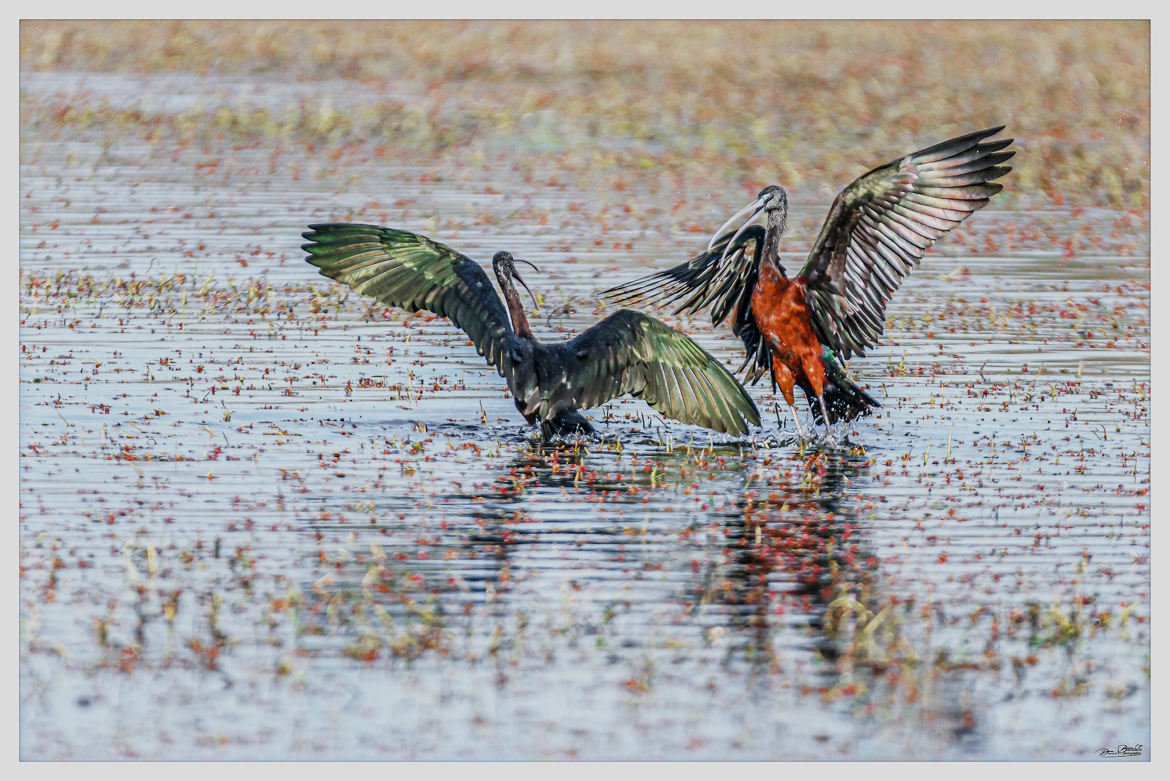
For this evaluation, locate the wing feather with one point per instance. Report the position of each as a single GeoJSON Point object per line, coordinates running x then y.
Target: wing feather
{"type": "Point", "coordinates": [633, 353]}
{"type": "Point", "coordinates": [888, 218]}
{"type": "Point", "coordinates": [708, 279]}
{"type": "Point", "coordinates": [725, 284]}
{"type": "Point", "coordinates": [411, 272]}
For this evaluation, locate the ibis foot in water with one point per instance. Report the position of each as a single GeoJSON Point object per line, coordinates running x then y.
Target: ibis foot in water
{"type": "Point", "coordinates": [568, 422]}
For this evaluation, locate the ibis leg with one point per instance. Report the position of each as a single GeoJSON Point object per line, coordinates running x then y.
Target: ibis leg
{"type": "Point", "coordinates": [796, 420]}
{"type": "Point", "coordinates": [825, 412]}
{"type": "Point", "coordinates": [785, 380]}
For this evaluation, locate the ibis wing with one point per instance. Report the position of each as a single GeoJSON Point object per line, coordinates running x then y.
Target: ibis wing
{"type": "Point", "coordinates": [629, 352]}
{"type": "Point", "coordinates": [881, 225]}
{"type": "Point", "coordinates": [708, 279]}
{"type": "Point", "coordinates": [412, 272]}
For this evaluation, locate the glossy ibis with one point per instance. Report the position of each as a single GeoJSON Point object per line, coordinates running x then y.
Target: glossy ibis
{"type": "Point", "coordinates": [877, 230]}
{"type": "Point", "coordinates": [628, 352]}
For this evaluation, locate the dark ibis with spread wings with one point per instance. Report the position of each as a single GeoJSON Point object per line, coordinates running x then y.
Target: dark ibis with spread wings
{"type": "Point", "coordinates": [626, 353]}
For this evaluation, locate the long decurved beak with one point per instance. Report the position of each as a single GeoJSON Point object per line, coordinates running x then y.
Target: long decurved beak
{"type": "Point", "coordinates": [516, 276]}
{"type": "Point", "coordinates": [752, 211]}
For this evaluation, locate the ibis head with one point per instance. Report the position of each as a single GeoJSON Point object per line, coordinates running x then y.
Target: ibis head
{"type": "Point", "coordinates": [505, 267]}
{"type": "Point", "coordinates": [772, 201]}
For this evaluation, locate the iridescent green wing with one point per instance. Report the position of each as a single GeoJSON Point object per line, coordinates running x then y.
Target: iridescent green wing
{"type": "Point", "coordinates": [411, 272]}
{"type": "Point", "coordinates": [881, 225]}
{"type": "Point", "coordinates": [711, 280]}
{"type": "Point", "coordinates": [629, 352]}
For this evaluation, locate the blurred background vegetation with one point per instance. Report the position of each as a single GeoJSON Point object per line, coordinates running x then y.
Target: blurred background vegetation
{"type": "Point", "coordinates": [748, 103]}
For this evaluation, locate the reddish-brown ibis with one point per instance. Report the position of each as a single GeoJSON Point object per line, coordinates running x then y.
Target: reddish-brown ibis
{"type": "Point", "coordinates": [879, 227]}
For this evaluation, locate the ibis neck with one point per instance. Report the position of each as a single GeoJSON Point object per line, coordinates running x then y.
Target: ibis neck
{"type": "Point", "coordinates": [777, 222]}
{"type": "Point", "coordinates": [516, 312]}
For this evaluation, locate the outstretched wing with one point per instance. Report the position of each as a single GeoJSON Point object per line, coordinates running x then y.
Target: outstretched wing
{"type": "Point", "coordinates": [880, 226]}
{"type": "Point", "coordinates": [703, 280]}
{"type": "Point", "coordinates": [412, 272]}
{"type": "Point", "coordinates": [629, 352]}
{"type": "Point", "coordinates": [710, 280]}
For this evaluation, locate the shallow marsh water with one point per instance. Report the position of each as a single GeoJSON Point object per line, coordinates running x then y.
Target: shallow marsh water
{"type": "Point", "coordinates": [262, 517]}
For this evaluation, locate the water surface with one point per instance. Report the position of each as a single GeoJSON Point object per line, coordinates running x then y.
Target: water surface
{"type": "Point", "coordinates": [262, 517]}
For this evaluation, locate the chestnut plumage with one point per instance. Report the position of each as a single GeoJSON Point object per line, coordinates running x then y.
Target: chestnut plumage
{"type": "Point", "coordinates": [877, 230]}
